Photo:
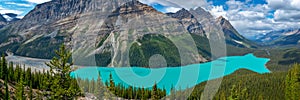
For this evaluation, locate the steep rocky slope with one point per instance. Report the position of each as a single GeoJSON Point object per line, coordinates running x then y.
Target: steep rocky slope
{"type": "Point", "coordinates": [116, 33]}
{"type": "Point", "coordinates": [102, 30]}
{"type": "Point", "coordinates": [232, 36]}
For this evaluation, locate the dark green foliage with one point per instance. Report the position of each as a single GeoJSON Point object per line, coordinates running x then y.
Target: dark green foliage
{"type": "Point", "coordinates": [238, 93]}
{"type": "Point", "coordinates": [111, 91]}
{"type": "Point", "coordinates": [7, 92]}
{"type": "Point", "coordinates": [103, 59]}
{"type": "Point", "coordinates": [102, 40]}
{"type": "Point", "coordinates": [291, 56]}
{"type": "Point", "coordinates": [3, 70]}
{"type": "Point", "coordinates": [203, 45]}
{"type": "Point", "coordinates": [44, 82]}
{"type": "Point", "coordinates": [61, 85]}
{"type": "Point", "coordinates": [154, 92]}
{"type": "Point", "coordinates": [292, 83]}
{"type": "Point", "coordinates": [111, 86]}
{"type": "Point", "coordinates": [4, 34]}
{"type": "Point", "coordinates": [47, 45]}
{"type": "Point", "coordinates": [30, 92]}
{"type": "Point", "coordinates": [247, 85]}
{"type": "Point", "coordinates": [20, 89]}
{"type": "Point", "coordinates": [150, 45]}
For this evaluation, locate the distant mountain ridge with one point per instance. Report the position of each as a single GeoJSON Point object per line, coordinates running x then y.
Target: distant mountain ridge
{"type": "Point", "coordinates": [11, 17]}
{"type": "Point", "coordinates": [8, 18]}
{"type": "Point", "coordinates": [2, 21]}
{"type": "Point", "coordinates": [57, 22]}
{"type": "Point", "coordinates": [285, 37]}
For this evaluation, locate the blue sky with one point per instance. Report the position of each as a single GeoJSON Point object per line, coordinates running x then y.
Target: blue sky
{"type": "Point", "coordinates": [249, 17]}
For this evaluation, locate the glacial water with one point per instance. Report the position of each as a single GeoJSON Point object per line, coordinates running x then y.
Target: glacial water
{"type": "Point", "coordinates": [179, 77]}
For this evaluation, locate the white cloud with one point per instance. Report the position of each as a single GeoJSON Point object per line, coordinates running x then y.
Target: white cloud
{"type": "Point", "coordinates": [284, 4]}
{"type": "Point", "coordinates": [253, 15]}
{"type": "Point", "coordinates": [38, 1]}
{"type": "Point", "coordinates": [3, 11]}
{"type": "Point", "coordinates": [19, 4]}
{"type": "Point", "coordinates": [179, 3]}
{"type": "Point", "coordinates": [237, 5]}
{"type": "Point", "coordinates": [287, 15]}
{"type": "Point", "coordinates": [254, 19]}
{"type": "Point", "coordinates": [172, 9]}
{"type": "Point", "coordinates": [218, 11]}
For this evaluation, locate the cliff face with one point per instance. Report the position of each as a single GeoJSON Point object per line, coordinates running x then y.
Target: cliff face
{"type": "Point", "coordinates": [112, 32]}
{"type": "Point", "coordinates": [101, 29]}
{"type": "Point", "coordinates": [189, 22]}
{"type": "Point", "coordinates": [232, 36]}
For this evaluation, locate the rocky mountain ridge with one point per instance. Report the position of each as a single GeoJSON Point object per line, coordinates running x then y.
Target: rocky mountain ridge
{"type": "Point", "coordinates": [232, 36]}
{"type": "Point", "coordinates": [110, 30]}
{"type": "Point", "coordinates": [286, 37]}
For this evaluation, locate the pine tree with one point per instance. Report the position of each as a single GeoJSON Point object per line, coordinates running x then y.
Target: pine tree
{"type": "Point", "coordinates": [154, 95]}
{"type": "Point", "coordinates": [28, 76]}
{"type": "Point", "coordinates": [20, 89]}
{"type": "Point", "coordinates": [292, 82]}
{"type": "Point", "coordinates": [30, 92]}
{"type": "Point", "coordinates": [61, 68]}
{"type": "Point", "coordinates": [111, 84]}
{"type": "Point", "coordinates": [4, 67]}
{"type": "Point", "coordinates": [99, 90]}
{"type": "Point", "coordinates": [10, 72]}
{"type": "Point", "coordinates": [130, 92]}
{"type": "Point", "coordinates": [6, 90]}
{"type": "Point", "coordinates": [233, 93]}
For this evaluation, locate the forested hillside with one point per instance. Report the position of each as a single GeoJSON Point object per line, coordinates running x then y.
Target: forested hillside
{"type": "Point", "coordinates": [21, 84]}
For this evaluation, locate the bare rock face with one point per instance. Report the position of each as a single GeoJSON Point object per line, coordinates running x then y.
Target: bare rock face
{"type": "Point", "coordinates": [128, 25]}
{"type": "Point", "coordinates": [189, 22]}
{"type": "Point", "coordinates": [105, 31]}
{"type": "Point", "coordinates": [232, 36]}
{"type": "Point", "coordinates": [97, 29]}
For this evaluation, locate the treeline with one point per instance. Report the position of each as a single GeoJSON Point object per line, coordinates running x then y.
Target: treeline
{"type": "Point", "coordinates": [57, 83]}
{"type": "Point", "coordinates": [21, 83]}
{"type": "Point", "coordinates": [247, 85]}
{"type": "Point", "coordinates": [292, 82]}
{"type": "Point", "coordinates": [250, 86]}
{"type": "Point", "coordinates": [18, 83]}
{"type": "Point", "coordinates": [109, 90]}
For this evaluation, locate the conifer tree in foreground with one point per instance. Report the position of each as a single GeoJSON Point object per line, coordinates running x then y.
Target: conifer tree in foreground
{"type": "Point", "coordinates": [60, 68]}
{"type": "Point", "coordinates": [20, 89]}
{"type": "Point", "coordinates": [154, 92]}
{"type": "Point", "coordinates": [6, 97]}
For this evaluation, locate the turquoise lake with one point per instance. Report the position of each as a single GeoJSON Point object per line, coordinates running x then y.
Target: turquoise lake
{"type": "Point", "coordinates": [180, 77]}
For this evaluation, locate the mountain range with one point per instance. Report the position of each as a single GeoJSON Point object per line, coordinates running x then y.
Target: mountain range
{"type": "Point", "coordinates": [286, 37]}
{"type": "Point", "coordinates": [7, 19]}
{"type": "Point", "coordinates": [114, 30]}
